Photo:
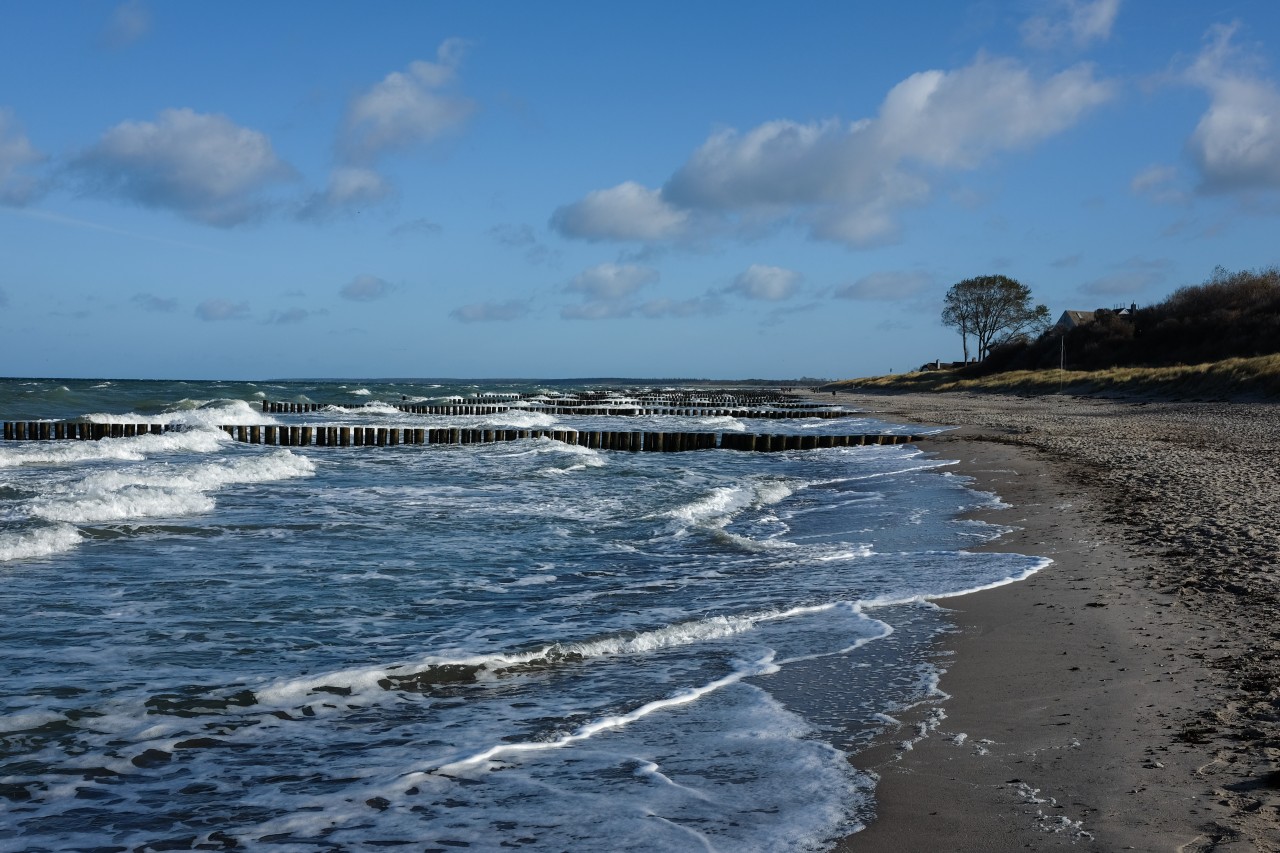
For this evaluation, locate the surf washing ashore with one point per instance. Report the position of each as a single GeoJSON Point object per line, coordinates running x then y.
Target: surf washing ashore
{"type": "Point", "coordinates": [214, 644]}
{"type": "Point", "coordinates": [533, 644]}
{"type": "Point", "coordinates": [1128, 697]}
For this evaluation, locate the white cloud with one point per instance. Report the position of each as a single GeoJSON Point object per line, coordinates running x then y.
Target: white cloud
{"type": "Point", "coordinates": [489, 312]}
{"type": "Point", "coordinates": [608, 290]}
{"type": "Point", "coordinates": [628, 211]}
{"type": "Point", "coordinates": [847, 181]}
{"type": "Point", "coordinates": [1078, 22]}
{"type": "Point", "coordinates": [960, 118]}
{"type": "Point", "coordinates": [203, 167]}
{"type": "Point", "coordinates": [293, 316]}
{"type": "Point", "coordinates": [366, 288]}
{"type": "Point", "coordinates": [1236, 144]}
{"type": "Point", "coordinates": [214, 310]}
{"type": "Point", "coordinates": [406, 108]}
{"type": "Point", "coordinates": [769, 284]}
{"type": "Point", "coordinates": [17, 187]}
{"type": "Point", "coordinates": [150, 302]}
{"type": "Point", "coordinates": [612, 281]}
{"type": "Point", "coordinates": [1153, 178]}
{"type": "Point", "coordinates": [129, 22]}
{"type": "Point", "coordinates": [350, 188]}
{"type": "Point", "coordinates": [885, 286]}
{"type": "Point", "coordinates": [1160, 184]}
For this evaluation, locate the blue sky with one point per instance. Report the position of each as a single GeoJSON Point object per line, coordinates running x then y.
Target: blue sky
{"type": "Point", "coordinates": [714, 189]}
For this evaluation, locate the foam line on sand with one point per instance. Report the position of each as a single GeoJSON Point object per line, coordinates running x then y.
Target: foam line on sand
{"type": "Point", "coordinates": [1125, 697]}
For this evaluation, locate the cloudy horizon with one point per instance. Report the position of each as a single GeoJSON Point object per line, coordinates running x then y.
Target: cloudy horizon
{"type": "Point", "coordinates": [717, 191]}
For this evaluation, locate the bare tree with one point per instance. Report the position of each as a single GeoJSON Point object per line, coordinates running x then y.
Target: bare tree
{"type": "Point", "coordinates": [992, 308]}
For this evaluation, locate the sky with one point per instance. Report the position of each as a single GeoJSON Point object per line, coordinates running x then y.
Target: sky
{"type": "Point", "coordinates": [236, 190]}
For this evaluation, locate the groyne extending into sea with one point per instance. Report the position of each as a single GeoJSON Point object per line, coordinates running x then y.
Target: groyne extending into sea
{"type": "Point", "coordinates": [599, 404]}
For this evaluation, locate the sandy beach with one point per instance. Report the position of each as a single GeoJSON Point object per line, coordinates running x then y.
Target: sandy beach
{"type": "Point", "coordinates": [1128, 696]}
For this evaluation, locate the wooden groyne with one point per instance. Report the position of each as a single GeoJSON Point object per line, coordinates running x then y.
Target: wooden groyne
{"type": "Point", "coordinates": [348, 436]}
{"type": "Point", "coordinates": [777, 411]}
{"type": "Point", "coordinates": [75, 430]}
{"type": "Point", "coordinates": [638, 441]}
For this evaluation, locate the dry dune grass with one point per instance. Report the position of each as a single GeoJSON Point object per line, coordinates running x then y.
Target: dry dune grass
{"type": "Point", "coordinates": [1232, 378]}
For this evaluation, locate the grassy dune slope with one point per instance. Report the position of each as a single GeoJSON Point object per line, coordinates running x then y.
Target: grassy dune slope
{"type": "Point", "coordinates": [1228, 379]}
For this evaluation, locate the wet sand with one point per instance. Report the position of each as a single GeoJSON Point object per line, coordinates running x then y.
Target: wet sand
{"type": "Point", "coordinates": [1128, 696]}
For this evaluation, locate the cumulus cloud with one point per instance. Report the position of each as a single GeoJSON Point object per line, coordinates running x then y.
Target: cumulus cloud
{"type": "Point", "coordinates": [769, 284]}
{"type": "Point", "coordinates": [129, 23]}
{"type": "Point", "coordinates": [366, 288]}
{"type": "Point", "coordinates": [350, 188]}
{"type": "Point", "coordinates": [885, 286]}
{"type": "Point", "coordinates": [608, 291]}
{"type": "Point", "coordinates": [17, 155]}
{"type": "Point", "coordinates": [204, 167]}
{"type": "Point", "coordinates": [612, 281]}
{"type": "Point", "coordinates": [214, 310]}
{"type": "Point", "coordinates": [628, 211]}
{"type": "Point", "coordinates": [1236, 144]}
{"type": "Point", "coordinates": [406, 108]}
{"type": "Point", "coordinates": [1075, 22]}
{"type": "Point", "coordinates": [490, 312]}
{"type": "Point", "coordinates": [847, 181]}
{"type": "Point", "coordinates": [149, 302]}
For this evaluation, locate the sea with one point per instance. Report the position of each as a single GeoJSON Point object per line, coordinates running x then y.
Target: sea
{"type": "Point", "coordinates": [214, 645]}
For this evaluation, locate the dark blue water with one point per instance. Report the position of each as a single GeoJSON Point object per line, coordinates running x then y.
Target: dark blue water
{"type": "Point", "coordinates": [529, 644]}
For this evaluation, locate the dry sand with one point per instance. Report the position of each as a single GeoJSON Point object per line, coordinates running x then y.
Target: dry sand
{"type": "Point", "coordinates": [1128, 696]}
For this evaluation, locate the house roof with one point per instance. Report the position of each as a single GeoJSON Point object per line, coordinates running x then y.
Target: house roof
{"type": "Point", "coordinates": [1075, 318]}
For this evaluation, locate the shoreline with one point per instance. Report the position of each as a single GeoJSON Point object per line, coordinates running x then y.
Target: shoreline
{"type": "Point", "coordinates": [1086, 702]}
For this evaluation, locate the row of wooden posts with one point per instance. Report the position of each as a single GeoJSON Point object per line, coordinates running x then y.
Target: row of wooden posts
{"type": "Point", "coordinates": [279, 408]}
{"type": "Point", "coordinates": [74, 430]}
{"type": "Point", "coordinates": [663, 442]}
{"type": "Point", "coordinates": [346, 436]}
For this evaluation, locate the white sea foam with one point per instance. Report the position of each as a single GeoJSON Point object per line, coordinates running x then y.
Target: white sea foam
{"type": "Point", "coordinates": [294, 691]}
{"type": "Point", "coordinates": [118, 449]}
{"type": "Point", "coordinates": [486, 760]}
{"type": "Point", "coordinates": [213, 413]}
{"type": "Point", "coordinates": [161, 491]}
{"type": "Point", "coordinates": [43, 542]}
{"type": "Point", "coordinates": [125, 503]}
{"type": "Point", "coordinates": [361, 392]}
{"type": "Point", "coordinates": [717, 509]}
{"type": "Point", "coordinates": [520, 420]}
